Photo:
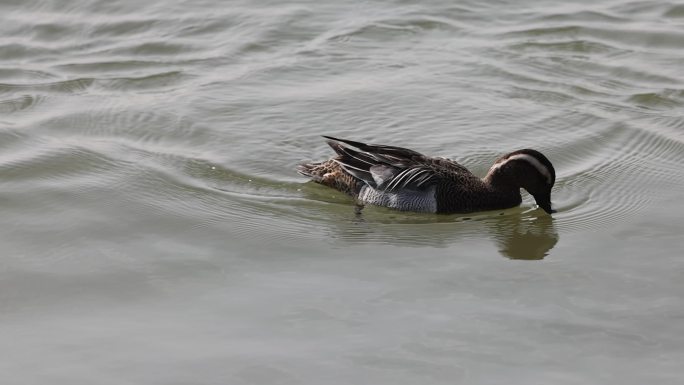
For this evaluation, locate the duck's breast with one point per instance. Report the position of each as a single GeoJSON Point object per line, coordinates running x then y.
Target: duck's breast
{"type": "Point", "coordinates": [405, 200]}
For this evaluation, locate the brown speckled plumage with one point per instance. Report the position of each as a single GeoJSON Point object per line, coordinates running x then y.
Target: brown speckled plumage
{"type": "Point", "coordinates": [331, 174]}
{"type": "Point", "coordinates": [393, 176]}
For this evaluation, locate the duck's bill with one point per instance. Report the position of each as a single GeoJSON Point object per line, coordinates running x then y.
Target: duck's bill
{"type": "Point", "coordinates": [545, 203]}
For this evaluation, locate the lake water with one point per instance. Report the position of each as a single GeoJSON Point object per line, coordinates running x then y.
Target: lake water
{"type": "Point", "coordinates": [154, 231]}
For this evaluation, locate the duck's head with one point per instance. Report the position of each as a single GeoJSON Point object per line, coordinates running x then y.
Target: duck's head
{"type": "Point", "coordinates": [528, 169]}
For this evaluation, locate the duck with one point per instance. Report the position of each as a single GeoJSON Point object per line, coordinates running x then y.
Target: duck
{"type": "Point", "coordinates": [406, 180]}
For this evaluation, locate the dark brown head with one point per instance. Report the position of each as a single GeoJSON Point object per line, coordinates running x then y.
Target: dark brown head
{"type": "Point", "coordinates": [527, 169]}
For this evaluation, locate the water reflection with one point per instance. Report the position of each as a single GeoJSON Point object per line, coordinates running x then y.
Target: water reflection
{"type": "Point", "coordinates": [518, 233]}
{"type": "Point", "coordinates": [527, 237]}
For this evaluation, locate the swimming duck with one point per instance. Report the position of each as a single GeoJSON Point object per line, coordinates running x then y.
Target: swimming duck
{"type": "Point", "coordinates": [406, 180]}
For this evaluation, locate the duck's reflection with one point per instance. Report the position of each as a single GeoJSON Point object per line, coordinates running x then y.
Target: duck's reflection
{"type": "Point", "coordinates": [518, 233]}
{"type": "Point", "coordinates": [528, 237]}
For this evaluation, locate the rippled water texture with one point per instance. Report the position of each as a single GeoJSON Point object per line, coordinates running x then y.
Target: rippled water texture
{"type": "Point", "coordinates": [154, 230]}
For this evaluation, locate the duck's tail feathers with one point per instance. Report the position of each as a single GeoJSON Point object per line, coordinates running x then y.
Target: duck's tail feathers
{"type": "Point", "coordinates": [331, 173]}
{"type": "Point", "coordinates": [314, 171]}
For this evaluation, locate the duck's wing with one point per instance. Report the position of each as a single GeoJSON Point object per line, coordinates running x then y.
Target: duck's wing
{"type": "Point", "coordinates": [417, 177]}
{"type": "Point", "coordinates": [449, 167]}
{"type": "Point", "coordinates": [391, 152]}
{"type": "Point", "coordinates": [392, 168]}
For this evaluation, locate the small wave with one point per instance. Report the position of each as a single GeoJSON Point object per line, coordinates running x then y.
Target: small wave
{"type": "Point", "coordinates": [125, 27]}
{"type": "Point", "coordinates": [622, 38]}
{"type": "Point", "coordinates": [20, 51]}
{"type": "Point", "coordinates": [574, 46]}
{"type": "Point", "coordinates": [157, 81]}
{"type": "Point", "coordinates": [666, 99]}
{"type": "Point", "coordinates": [107, 66]}
{"type": "Point", "coordinates": [9, 106]}
{"type": "Point", "coordinates": [640, 8]}
{"type": "Point", "coordinates": [581, 16]}
{"type": "Point", "coordinates": [152, 49]}
{"type": "Point", "coordinates": [67, 86]}
{"type": "Point", "coordinates": [675, 12]}
{"type": "Point", "coordinates": [54, 162]}
{"type": "Point", "coordinates": [382, 29]}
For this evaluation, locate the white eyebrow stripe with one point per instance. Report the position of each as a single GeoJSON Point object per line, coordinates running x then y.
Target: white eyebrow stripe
{"type": "Point", "coordinates": [531, 160]}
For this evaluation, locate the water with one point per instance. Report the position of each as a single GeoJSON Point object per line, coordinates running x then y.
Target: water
{"type": "Point", "coordinates": [154, 230]}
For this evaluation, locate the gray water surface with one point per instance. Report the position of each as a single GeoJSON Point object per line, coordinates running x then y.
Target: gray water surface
{"type": "Point", "coordinates": [154, 231]}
